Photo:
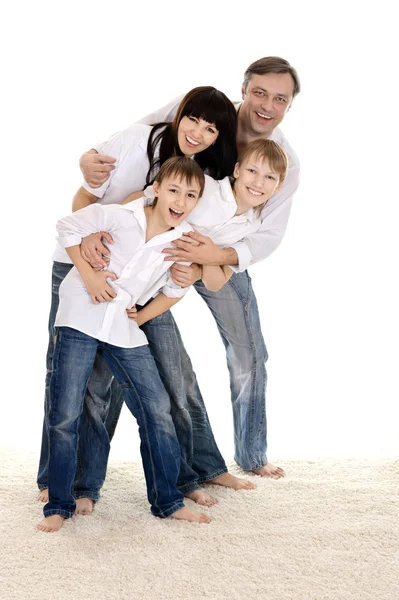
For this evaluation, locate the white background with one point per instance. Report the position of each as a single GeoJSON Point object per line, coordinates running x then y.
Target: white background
{"type": "Point", "coordinates": [75, 73]}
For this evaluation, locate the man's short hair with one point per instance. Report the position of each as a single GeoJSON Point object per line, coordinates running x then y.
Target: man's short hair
{"type": "Point", "coordinates": [184, 168]}
{"type": "Point", "coordinates": [272, 64]}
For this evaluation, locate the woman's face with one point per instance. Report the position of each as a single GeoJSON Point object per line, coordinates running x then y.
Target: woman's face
{"type": "Point", "coordinates": [195, 135]}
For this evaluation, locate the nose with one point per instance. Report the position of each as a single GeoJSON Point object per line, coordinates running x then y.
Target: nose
{"type": "Point", "coordinates": [196, 131]}
{"type": "Point", "coordinates": [267, 103]}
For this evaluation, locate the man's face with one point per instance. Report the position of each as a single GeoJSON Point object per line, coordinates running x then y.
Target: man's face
{"type": "Point", "coordinates": [176, 199]}
{"type": "Point", "coordinates": [265, 102]}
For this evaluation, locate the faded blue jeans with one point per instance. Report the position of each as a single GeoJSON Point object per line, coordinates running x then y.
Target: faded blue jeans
{"type": "Point", "coordinates": [200, 456]}
{"type": "Point", "coordinates": [147, 399]}
{"type": "Point", "coordinates": [93, 437]}
{"type": "Point", "coordinates": [236, 314]}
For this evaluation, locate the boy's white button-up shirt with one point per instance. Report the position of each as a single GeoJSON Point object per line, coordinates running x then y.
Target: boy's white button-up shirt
{"type": "Point", "coordinates": [139, 265]}
{"type": "Point", "coordinates": [215, 215]}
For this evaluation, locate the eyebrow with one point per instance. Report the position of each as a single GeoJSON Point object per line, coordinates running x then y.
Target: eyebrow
{"type": "Point", "coordinates": [257, 167]}
{"type": "Point", "coordinates": [179, 186]}
{"type": "Point", "coordinates": [277, 94]}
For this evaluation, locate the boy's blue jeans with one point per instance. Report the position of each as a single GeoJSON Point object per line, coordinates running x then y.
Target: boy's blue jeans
{"type": "Point", "coordinates": [236, 313]}
{"type": "Point", "coordinates": [147, 399]}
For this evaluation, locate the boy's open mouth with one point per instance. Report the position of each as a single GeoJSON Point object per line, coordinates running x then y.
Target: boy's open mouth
{"type": "Point", "coordinates": [176, 214]}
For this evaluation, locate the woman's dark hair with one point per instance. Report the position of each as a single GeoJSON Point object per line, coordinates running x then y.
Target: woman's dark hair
{"type": "Point", "coordinates": [212, 106]}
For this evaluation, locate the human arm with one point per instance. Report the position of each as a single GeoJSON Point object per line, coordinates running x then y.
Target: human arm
{"type": "Point", "coordinates": [165, 114]}
{"type": "Point", "coordinates": [96, 167]}
{"type": "Point", "coordinates": [133, 196]}
{"type": "Point", "coordinates": [82, 198]}
{"type": "Point", "coordinates": [205, 253]}
{"type": "Point", "coordinates": [159, 305]}
{"type": "Point", "coordinates": [95, 281]}
{"type": "Point", "coordinates": [214, 278]}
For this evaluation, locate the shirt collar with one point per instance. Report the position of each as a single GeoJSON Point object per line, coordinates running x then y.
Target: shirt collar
{"type": "Point", "coordinates": [137, 208]}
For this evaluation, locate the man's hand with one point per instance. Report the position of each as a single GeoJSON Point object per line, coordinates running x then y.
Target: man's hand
{"type": "Point", "coordinates": [195, 248]}
{"type": "Point", "coordinates": [185, 276]}
{"type": "Point", "coordinates": [98, 288]}
{"type": "Point", "coordinates": [94, 251]}
{"type": "Point", "coordinates": [96, 168]}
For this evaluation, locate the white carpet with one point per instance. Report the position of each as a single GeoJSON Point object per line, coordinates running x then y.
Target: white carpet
{"type": "Point", "coordinates": [329, 530]}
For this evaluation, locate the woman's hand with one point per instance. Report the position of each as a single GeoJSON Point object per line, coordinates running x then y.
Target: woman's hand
{"type": "Point", "coordinates": [96, 168]}
{"type": "Point", "coordinates": [94, 251]}
{"type": "Point", "coordinates": [132, 313]}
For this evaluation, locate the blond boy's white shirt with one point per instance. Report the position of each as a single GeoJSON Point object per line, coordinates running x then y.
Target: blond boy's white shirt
{"type": "Point", "coordinates": [139, 265]}
{"type": "Point", "coordinates": [259, 245]}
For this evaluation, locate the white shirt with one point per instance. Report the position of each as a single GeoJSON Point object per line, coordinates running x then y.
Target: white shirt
{"type": "Point", "coordinates": [215, 214]}
{"type": "Point", "coordinates": [129, 147]}
{"type": "Point", "coordinates": [139, 265]}
{"type": "Point", "coordinates": [259, 245]}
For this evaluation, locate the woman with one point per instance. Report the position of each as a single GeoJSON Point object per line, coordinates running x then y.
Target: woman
{"type": "Point", "coordinates": [205, 129]}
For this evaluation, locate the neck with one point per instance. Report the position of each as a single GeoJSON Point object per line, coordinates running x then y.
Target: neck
{"type": "Point", "coordinates": [155, 224]}
{"type": "Point", "coordinates": [241, 206]}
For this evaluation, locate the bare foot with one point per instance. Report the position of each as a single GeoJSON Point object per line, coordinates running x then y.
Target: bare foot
{"type": "Point", "coordinates": [236, 483]}
{"type": "Point", "coordinates": [43, 495]}
{"type": "Point", "coordinates": [84, 506]}
{"type": "Point", "coordinates": [186, 514]}
{"type": "Point", "coordinates": [269, 470]}
{"type": "Point", "coordinates": [201, 497]}
{"type": "Point", "coordinates": [51, 524]}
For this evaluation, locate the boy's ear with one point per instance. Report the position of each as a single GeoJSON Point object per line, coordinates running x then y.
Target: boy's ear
{"type": "Point", "coordinates": [236, 169]}
{"type": "Point", "coordinates": [155, 188]}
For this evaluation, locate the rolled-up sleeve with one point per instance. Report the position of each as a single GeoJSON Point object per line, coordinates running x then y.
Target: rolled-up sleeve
{"type": "Point", "coordinates": [172, 290]}
{"type": "Point", "coordinates": [73, 228]}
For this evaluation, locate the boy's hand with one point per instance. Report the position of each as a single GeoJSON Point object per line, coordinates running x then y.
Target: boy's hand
{"type": "Point", "coordinates": [96, 168]}
{"type": "Point", "coordinates": [132, 313]}
{"type": "Point", "coordinates": [98, 288]}
{"type": "Point", "coordinates": [94, 251]}
{"type": "Point", "coordinates": [185, 276]}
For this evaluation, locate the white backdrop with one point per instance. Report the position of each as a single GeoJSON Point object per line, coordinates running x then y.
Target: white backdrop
{"type": "Point", "coordinates": [75, 73]}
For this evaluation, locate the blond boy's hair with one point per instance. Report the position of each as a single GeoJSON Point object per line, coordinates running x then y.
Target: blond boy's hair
{"type": "Point", "coordinates": [274, 154]}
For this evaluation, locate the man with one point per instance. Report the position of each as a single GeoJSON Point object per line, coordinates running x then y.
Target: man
{"type": "Point", "coordinates": [269, 87]}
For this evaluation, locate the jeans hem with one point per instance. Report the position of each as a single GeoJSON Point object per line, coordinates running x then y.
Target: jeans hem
{"type": "Point", "coordinates": [42, 486]}
{"type": "Point", "coordinates": [166, 513]}
{"type": "Point", "coordinates": [214, 475]}
{"type": "Point", "coordinates": [255, 465]}
{"type": "Point", "coordinates": [188, 487]}
{"type": "Point", "coordinates": [58, 511]}
{"type": "Point", "coordinates": [92, 495]}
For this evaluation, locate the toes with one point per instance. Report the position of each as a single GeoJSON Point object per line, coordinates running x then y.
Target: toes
{"type": "Point", "coordinates": [205, 519]}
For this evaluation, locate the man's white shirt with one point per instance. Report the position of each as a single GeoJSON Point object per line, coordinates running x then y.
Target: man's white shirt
{"type": "Point", "coordinates": [259, 245]}
{"type": "Point", "coordinates": [139, 265]}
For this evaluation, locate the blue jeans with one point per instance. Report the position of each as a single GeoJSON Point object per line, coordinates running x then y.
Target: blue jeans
{"type": "Point", "coordinates": [236, 314]}
{"type": "Point", "coordinates": [147, 399]}
{"type": "Point", "coordinates": [93, 436]}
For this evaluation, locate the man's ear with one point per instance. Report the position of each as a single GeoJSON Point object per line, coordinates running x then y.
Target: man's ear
{"type": "Point", "coordinates": [242, 92]}
{"type": "Point", "coordinates": [236, 169]}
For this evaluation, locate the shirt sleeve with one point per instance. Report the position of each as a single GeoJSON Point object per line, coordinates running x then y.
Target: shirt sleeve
{"type": "Point", "coordinates": [275, 215]}
{"type": "Point", "coordinates": [73, 228]}
{"type": "Point", "coordinates": [163, 115]}
{"type": "Point", "coordinates": [172, 290]}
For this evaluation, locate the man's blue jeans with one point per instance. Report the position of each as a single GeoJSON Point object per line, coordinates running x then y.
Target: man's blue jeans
{"type": "Point", "coordinates": [137, 374]}
{"type": "Point", "coordinates": [236, 314]}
